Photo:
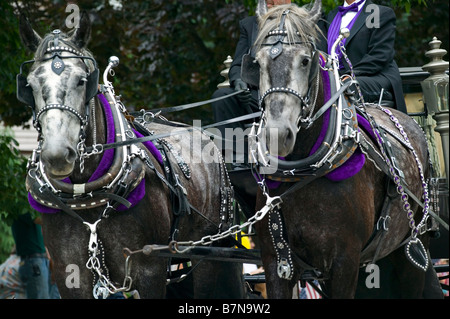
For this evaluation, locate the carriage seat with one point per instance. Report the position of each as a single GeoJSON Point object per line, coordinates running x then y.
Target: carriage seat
{"type": "Point", "coordinates": [387, 103]}
{"type": "Point", "coordinates": [387, 100]}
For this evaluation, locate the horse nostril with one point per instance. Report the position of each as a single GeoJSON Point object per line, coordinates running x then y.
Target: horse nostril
{"type": "Point", "coordinates": [71, 155]}
{"type": "Point", "coordinates": [289, 135]}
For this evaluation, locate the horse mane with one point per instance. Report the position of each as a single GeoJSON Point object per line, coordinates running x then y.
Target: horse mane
{"type": "Point", "coordinates": [298, 20]}
{"type": "Point", "coordinates": [64, 40]}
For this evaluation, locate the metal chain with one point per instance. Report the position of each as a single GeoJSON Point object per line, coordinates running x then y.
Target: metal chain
{"type": "Point", "coordinates": [271, 203]}
{"type": "Point", "coordinates": [397, 180]}
{"type": "Point", "coordinates": [352, 74]}
{"type": "Point", "coordinates": [96, 148]}
{"type": "Point", "coordinates": [81, 147]}
{"type": "Point", "coordinates": [94, 122]}
{"type": "Point", "coordinates": [104, 287]}
{"type": "Point", "coordinates": [400, 189]}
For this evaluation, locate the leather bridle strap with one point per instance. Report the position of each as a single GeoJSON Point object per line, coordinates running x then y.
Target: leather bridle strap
{"type": "Point", "coordinates": [63, 107]}
{"type": "Point", "coordinates": [282, 90]}
{"type": "Point", "coordinates": [192, 105]}
{"type": "Point", "coordinates": [277, 47]}
{"type": "Point", "coordinates": [327, 105]}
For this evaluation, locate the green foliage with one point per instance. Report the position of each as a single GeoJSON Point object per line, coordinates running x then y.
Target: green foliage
{"type": "Point", "coordinates": [6, 241]}
{"type": "Point", "coordinates": [13, 55]}
{"type": "Point", "coordinates": [13, 195]}
{"type": "Point", "coordinates": [417, 27]}
{"type": "Point", "coordinates": [13, 199]}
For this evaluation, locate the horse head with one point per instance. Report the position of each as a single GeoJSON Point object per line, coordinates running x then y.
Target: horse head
{"type": "Point", "coordinates": [286, 68]}
{"type": "Point", "coordinates": [62, 80]}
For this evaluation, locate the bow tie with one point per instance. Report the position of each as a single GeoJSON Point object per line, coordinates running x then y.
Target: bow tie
{"type": "Point", "coordinates": [353, 7]}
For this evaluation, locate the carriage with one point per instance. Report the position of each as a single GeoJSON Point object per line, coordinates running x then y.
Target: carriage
{"type": "Point", "coordinates": [187, 192]}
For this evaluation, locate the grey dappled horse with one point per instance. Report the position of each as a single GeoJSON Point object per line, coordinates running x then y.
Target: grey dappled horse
{"type": "Point", "coordinates": [61, 86]}
{"type": "Point", "coordinates": [329, 225]}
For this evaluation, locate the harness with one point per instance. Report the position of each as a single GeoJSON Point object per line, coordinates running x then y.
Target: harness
{"type": "Point", "coordinates": [110, 191]}
{"type": "Point", "coordinates": [123, 179]}
{"type": "Point", "coordinates": [342, 138]}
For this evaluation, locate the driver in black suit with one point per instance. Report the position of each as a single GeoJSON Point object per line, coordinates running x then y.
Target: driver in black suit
{"type": "Point", "coordinates": [246, 102]}
{"type": "Point", "coordinates": [370, 48]}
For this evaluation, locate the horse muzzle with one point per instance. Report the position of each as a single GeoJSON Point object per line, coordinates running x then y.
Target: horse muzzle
{"type": "Point", "coordinates": [280, 139]}
{"type": "Point", "coordinates": [58, 158]}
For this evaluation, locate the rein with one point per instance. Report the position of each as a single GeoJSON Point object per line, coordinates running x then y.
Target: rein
{"type": "Point", "coordinates": [148, 118]}
{"type": "Point", "coordinates": [192, 105]}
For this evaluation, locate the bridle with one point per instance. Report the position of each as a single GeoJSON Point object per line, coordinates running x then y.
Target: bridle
{"type": "Point", "coordinates": [332, 140]}
{"type": "Point", "coordinates": [276, 50]}
{"type": "Point", "coordinates": [25, 92]}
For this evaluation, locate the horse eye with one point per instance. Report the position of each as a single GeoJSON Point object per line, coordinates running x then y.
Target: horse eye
{"type": "Point", "coordinates": [82, 81]}
{"type": "Point", "coordinates": [305, 61]}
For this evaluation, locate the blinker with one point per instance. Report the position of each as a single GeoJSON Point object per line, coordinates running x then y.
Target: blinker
{"type": "Point", "coordinates": [24, 92]}
{"type": "Point", "coordinates": [250, 70]}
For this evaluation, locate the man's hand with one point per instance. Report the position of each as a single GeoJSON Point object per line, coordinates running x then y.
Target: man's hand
{"type": "Point", "coordinates": [245, 97]}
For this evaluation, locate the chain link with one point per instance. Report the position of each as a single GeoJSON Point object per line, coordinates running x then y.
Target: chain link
{"type": "Point", "coordinates": [392, 169]}
{"type": "Point", "coordinates": [400, 189]}
{"type": "Point", "coordinates": [271, 203]}
{"type": "Point", "coordinates": [104, 287]}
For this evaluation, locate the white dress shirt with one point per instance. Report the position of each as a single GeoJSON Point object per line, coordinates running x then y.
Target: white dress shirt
{"type": "Point", "coordinates": [348, 17]}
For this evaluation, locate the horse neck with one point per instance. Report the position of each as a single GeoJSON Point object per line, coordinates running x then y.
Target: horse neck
{"type": "Point", "coordinates": [306, 138]}
{"type": "Point", "coordinates": [95, 134]}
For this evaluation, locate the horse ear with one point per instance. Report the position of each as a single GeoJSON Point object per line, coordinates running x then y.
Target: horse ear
{"type": "Point", "coordinates": [82, 34]}
{"type": "Point", "coordinates": [261, 8]}
{"type": "Point", "coordinates": [316, 11]}
{"type": "Point", "coordinates": [29, 37]}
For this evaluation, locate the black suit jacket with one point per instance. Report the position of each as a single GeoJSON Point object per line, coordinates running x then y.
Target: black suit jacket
{"type": "Point", "coordinates": [371, 49]}
{"type": "Point", "coordinates": [248, 32]}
